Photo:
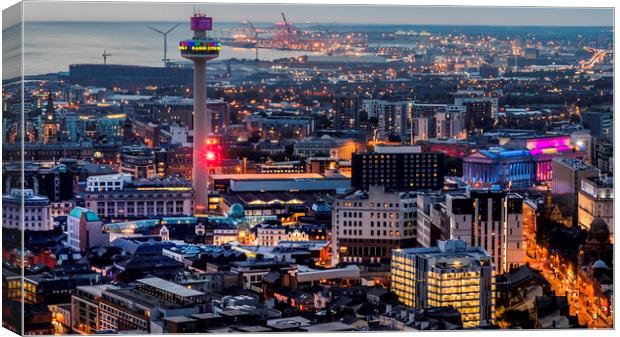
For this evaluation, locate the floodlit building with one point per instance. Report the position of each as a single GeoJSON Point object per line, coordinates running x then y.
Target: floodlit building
{"type": "Point", "coordinates": [451, 274]}
{"type": "Point", "coordinates": [596, 199]}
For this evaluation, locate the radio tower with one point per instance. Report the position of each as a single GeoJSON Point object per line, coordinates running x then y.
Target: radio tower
{"type": "Point", "coordinates": [200, 49]}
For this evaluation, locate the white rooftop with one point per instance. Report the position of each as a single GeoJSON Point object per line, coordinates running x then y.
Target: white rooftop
{"type": "Point", "coordinates": [170, 287]}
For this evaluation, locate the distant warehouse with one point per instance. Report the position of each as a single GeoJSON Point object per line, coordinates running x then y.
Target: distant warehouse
{"type": "Point", "coordinates": [129, 76]}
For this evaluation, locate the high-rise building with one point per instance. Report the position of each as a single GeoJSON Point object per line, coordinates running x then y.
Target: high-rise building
{"type": "Point", "coordinates": [393, 118]}
{"type": "Point", "coordinates": [599, 123]}
{"type": "Point", "coordinates": [200, 49]}
{"type": "Point", "coordinates": [421, 129]}
{"type": "Point", "coordinates": [491, 219]}
{"type": "Point", "coordinates": [432, 221]}
{"type": "Point", "coordinates": [346, 111]}
{"type": "Point", "coordinates": [451, 274]}
{"type": "Point", "coordinates": [567, 175]}
{"type": "Point", "coordinates": [398, 170]}
{"type": "Point", "coordinates": [450, 124]}
{"type": "Point", "coordinates": [480, 112]}
{"type": "Point", "coordinates": [367, 226]}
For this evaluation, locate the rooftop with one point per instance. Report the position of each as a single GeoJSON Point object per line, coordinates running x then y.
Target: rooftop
{"type": "Point", "coordinates": [169, 287]}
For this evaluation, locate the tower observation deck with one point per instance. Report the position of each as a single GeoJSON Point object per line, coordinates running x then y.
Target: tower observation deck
{"type": "Point", "coordinates": [200, 49]}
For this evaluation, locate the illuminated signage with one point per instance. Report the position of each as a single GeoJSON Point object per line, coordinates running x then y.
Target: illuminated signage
{"type": "Point", "coordinates": [201, 23]}
{"type": "Point", "coordinates": [199, 46]}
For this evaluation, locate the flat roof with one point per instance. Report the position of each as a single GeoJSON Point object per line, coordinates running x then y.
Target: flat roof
{"type": "Point", "coordinates": [328, 327]}
{"type": "Point", "coordinates": [267, 176]}
{"type": "Point", "coordinates": [170, 287]}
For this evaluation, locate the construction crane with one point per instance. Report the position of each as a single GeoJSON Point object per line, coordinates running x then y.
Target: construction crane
{"type": "Point", "coordinates": [255, 37]}
{"type": "Point", "coordinates": [165, 35]}
{"type": "Point", "coordinates": [105, 57]}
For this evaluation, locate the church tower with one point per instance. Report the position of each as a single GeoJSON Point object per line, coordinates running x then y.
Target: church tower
{"type": "Point", "coordinates": [50, 125]}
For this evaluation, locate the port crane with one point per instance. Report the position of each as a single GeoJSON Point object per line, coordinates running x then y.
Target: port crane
{"type": "Point", "coordinates": [289, 30]}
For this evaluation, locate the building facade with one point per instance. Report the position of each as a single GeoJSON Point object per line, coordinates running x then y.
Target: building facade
{"type": "Point", "coordinates": [450, 274]}
{"type": "Point", "coordinates": [567, 176]}
{"type": "Point", "coordinates": [490, 219]}
{"type": "Point", "coordinates": [37, 211]}
{"type": "Point", "coordinates": [398, 171]}
{"type": "Point", "coordinates": [84, 230]}
{"type": "Point", "coordinates": [140, 198]}
{"type": "Point", "coordinates": [367, 226]}
{"type": "Point", "coordinates": [596, 199]}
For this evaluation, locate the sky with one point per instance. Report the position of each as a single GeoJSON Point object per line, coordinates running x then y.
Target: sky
{"type": "Point", "coordinates": [342, 14]}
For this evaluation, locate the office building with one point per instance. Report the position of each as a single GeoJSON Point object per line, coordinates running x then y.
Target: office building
{"type": "Point", "coordinates": [450, 274]}
{"type": "Point", "coordinates": [139, 161]}
{"type": "Point", "coordinates": [346, 111]}
{"type": "Point", "coordinates": [142, 308]}
{"type": "Point", "coordinates": [367, 226]}
{"type": "Point", "coordinates": [179, 110]}
{"type": "Point", "coordinates": [84, 230]}
{"type": "Point", "coordinates": [276, 127]}
{"type": "Point", "coordinates": [421, 129]}
{"type": "Point", "coordinates": [492, 220]}
{"type": "Point", "coordinates": [450, 124]}
{"type": "Point", "coordinates": [599, 123]}
{"type": "Point", "coordinates": [399, 171]}
{"type": "Point", "coordinates": [432, 220]}
{"type": "Point", "coordinates": [393, 117]}
{"type": "Point", "coordinates": [596, 200]}
{"type": "Point", "coordinates": [326, 146]}
{"type": "Point", "coordinates": [480, 112]}
{"type": "Point", "coordinates": [85, 315]}
{"type": "Point", "coordinates": [116, 197]}
{"type": "Point", "coordinates": [567, 176]}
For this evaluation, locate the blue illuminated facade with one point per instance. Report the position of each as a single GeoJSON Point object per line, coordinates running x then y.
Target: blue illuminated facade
{"type": "Point", "coordinates": [498, 166]}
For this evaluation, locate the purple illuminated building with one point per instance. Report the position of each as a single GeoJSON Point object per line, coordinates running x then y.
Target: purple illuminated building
{"type": "Point", "coordinates": [522, 163]}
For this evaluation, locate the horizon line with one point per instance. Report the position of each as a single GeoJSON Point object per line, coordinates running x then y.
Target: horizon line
{"type": "Point", "coordinates": [340, 24]}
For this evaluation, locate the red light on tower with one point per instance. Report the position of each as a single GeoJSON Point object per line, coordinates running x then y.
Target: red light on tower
{"type": "Point", "coordinates": [211, 151]}
{"type": "Point", "coordinates": [210, 156]}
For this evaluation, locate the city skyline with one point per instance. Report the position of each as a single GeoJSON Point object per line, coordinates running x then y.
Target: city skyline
{"type": "Point", "coordinates": [205, 177]}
